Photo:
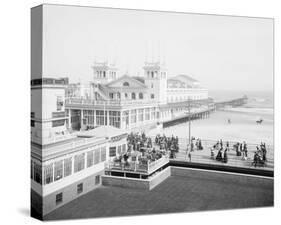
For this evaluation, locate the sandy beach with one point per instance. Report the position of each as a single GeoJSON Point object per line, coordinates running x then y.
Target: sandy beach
{"type": "Point", "coordinates": [243, 126]}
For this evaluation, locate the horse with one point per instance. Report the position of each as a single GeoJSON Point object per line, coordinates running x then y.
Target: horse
{"type": "Point", "coordinates": [259, 121]}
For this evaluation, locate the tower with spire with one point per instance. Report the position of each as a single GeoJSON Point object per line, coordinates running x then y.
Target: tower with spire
{"type": "Point", "coordinates": [104, 72]}
{"type": "Point", "coordinates": [155, 74]}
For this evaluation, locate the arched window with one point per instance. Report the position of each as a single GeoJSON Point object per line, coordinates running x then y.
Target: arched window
{"type": "Point", "coordinates": [140, 95]}
{"type": "Point", "coordinates": [133, 95]}
{"type": "Point", "coordinates": [104, 74]}
{"type": "Point", "coordinates": [152, 74]}
{"type": "Point", "coordinates": [126, 84]}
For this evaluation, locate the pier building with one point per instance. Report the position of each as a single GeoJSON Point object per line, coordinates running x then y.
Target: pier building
{"type": "Point", "coordinates": [131, 102]}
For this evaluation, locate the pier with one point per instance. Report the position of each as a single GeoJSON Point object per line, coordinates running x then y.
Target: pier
{"type": "Point", "coordinates": [184, 118]}
{"type": "Point", "coordinates": [205, 113]}
{"type": "Point", "coordinates": [233, 102]}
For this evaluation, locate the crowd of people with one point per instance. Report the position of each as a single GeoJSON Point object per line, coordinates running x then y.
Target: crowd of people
{"type": "Point", "coordinates": [167, 143]}
{"type": "Point", "coordinates": [241, 150]}
{"type": "Point", "coordinates": [260, 157]}
{"type": "Point", "coordinates": [222, 151]}
{"type": "Point", "coordinates": [219, 151]}
{"type": "Point", "coordinates": [195, 144]}
{"type": "Point", "coordinates": [137, 141]}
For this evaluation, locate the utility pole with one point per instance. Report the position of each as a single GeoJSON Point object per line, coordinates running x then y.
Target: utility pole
{"type": "Point", "coordinates": [189, 123]}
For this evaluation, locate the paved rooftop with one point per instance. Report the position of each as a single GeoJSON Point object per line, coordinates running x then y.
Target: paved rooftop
{"type": "Point", "coordinates": [175, 194]}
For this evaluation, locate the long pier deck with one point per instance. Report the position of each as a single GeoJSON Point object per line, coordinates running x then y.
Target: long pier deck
{"type": "Point", "coordinates": [202, 114]}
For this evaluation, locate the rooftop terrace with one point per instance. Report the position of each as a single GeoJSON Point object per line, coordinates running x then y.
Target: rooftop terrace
{"type": "Point", "coordinates": [192, 190]}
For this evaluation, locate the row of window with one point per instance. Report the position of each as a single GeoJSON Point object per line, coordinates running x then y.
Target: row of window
{"type": "Point", "coordinates": [102, 74]}
{"type": "Point", "coordinates": [133, 95]}
{"type": "Point", "coordinates": [113, 151]}
{"type": "Point", "coordinates": [152, 74]}
{"type": "Point", "coordinates": [63, 168]}
{"type": "Point", "coordinates": [176, 98]}
{"type": "Point", "coordinates": [79, 190]}
{"type": "Point", "coordinates": [114, 116]}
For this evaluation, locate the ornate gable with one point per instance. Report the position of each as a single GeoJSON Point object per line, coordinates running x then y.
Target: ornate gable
{"type": "Point", "coordinates": [126, 82]}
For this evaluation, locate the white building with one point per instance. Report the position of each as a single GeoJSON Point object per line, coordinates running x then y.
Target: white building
{"type": "Point", "coordinates": [130, 102]}
{"type": "Point", "coordinates": [65, 165]}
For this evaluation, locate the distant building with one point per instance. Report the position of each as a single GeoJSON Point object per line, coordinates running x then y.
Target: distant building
{"type": "Point", "coordinates": [130, 102]}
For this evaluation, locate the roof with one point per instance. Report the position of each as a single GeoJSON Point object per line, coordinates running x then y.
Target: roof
{"type": "Point", "coordinates": [141, 79]}
{"type": "Point", "coordinates": [186, 77]}
{"type": "Point", "coordinates": [137, 81]}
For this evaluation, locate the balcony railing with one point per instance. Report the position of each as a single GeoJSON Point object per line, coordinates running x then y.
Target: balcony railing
{"type": "Point", "coordinates": [141, 167]}
{"type": "Point", "coordinates": [117, 102]}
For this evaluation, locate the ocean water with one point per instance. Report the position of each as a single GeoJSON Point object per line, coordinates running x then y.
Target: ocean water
{"type": "Point", "coordinates": [243, 125]}
{"type": "Point", "coordinates": [256, 99]}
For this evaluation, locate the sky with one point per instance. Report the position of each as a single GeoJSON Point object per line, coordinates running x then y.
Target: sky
{"type": "Point", "coordinates": [222, 52]}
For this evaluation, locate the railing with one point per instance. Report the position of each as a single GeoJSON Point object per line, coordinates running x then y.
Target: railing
{"type": "Point", "coordinates": [158, 163]}
{"type": "Point", "coordinates": [204, 156]}
{"type": "Point", "coordinates": [141, 167]}
{"type": "Point", "coordinates": [117, 102]}
{"type": "Point", "coordinates": [233, 161]}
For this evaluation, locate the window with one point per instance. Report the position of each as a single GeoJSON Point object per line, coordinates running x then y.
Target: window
{"type": "Point", "coordinates": [152, 96]}
{"type": "Point", "coordinates": [58, 123]}
{"type": "Point", "coordinates": [103, 154]}
{"type": "Point", "coordinates": [114, 119]}
{"type": "Point", "coordinates": [111, 95]}
{"type": "Point", "coordinates": [124, 148]}
{"type": "Point", "coordinates": [58, 170]}
{"type": "Point", "coordinates": [59, 103]}
{"type": "Point", "coordinates": [58, 114]}
{"type": "Point", "coordinates": [140, 115]}
{"type": "Point", "coordinates": [125, 117]}
{"type": "Point", "coordinates": [133, 116]}
{"type": "Point", "coordinates": [126, 95]}
{"type": "Point", "coordinates": [101, 117]}
{"type": "Point", "coordinates": [152, 74]}
{"type": "Point", "coordinates": [119, 150]}
{"type": "Point", "coordinates": [67, 167]}
{"type": "Point", "coordinates": [118, 95]}
{"type": "Point", "coordinates": [133, 95]}
{"type": "Point", "coordinates": [90, 158]}
{"type": "Point", "coordinates": [59, 198]}
{"type": "Point", "coordinates": [79, 162]}
{"type": "Point", "coordinates": [112, 151]}
{"type": "Point", "coordinates": [32, 123]}
{"type": "Point", "coordinates": [48, 173]}
{"type": "Point", "coordinates": [97, 156]}
{"type": "Point", "coordinates": [32, 114]}
{"type": "Point", "coordinates": [140, 95]}
{"type": "Point", "coordinates": [79, 188]}
{"type": "Point", "coordinates": [126, 84]}
{"type": "Point", "coordinates": [37, 173]}
{"type": "Point", "coordinates": [147, 114]}
{"type": "Point", "coordinates": [153, 113]}
{"type": "Point", "coordinates": [89, 117]}
{"type": "Point", "coordinates": [104, 74]}
{"type": "Point", "coordinates": [97, 180]}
